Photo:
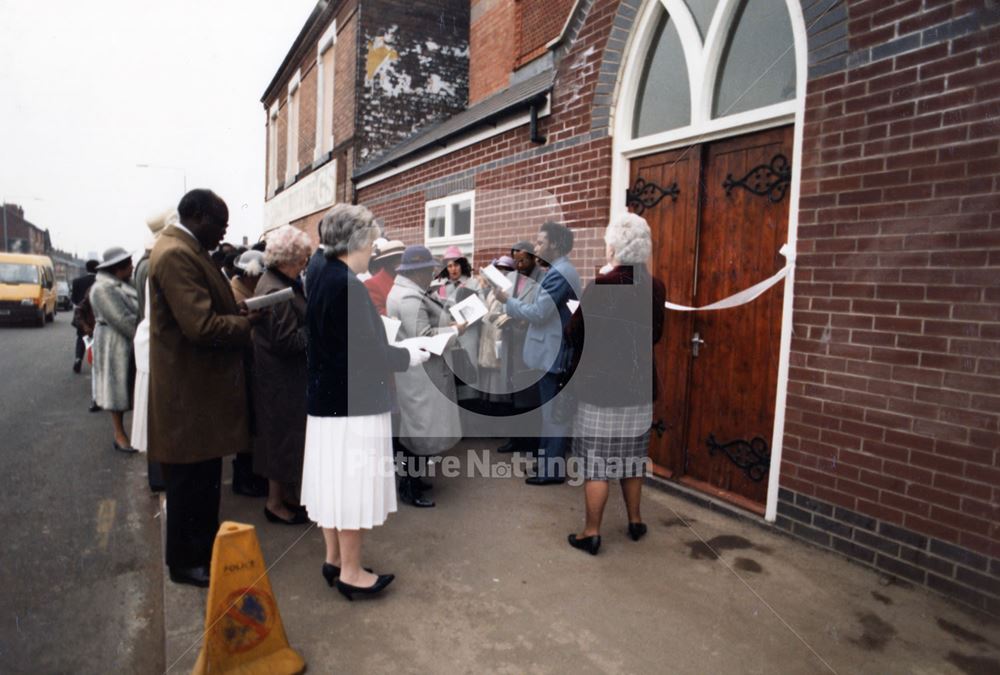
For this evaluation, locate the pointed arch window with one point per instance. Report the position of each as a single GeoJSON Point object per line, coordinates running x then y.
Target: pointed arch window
{"type": "Point", "coordinates": [664, 94]}
{"type": "Point", "coordinates": [704, 61]}
{"type": "Point", "coordinates": [758, 62]}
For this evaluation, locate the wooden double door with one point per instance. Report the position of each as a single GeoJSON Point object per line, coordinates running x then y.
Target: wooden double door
{"type": "Point", "coordinates": [719, 215]}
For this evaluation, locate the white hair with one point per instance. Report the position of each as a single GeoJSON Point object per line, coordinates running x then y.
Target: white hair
{"type": "Point", "coordinates": [630, 238]}
{"type": "Point", "coordinates": [286, 244]}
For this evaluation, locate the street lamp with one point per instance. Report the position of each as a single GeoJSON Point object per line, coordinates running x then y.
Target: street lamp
{"type": "Point", "coordinates": [168, 168]}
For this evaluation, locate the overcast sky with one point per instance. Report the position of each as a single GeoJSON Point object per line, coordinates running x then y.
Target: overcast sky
{"type": "Point", "coordinates": [90, 89]}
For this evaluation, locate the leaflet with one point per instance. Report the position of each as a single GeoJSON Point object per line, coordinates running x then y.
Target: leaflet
{"type": "Point", "coordinates": [391, 326]}
{"type": "Point", "coordinates": [469, 310]}
{"type": "Point", "coordinates": [260, 302]}
{"type": "Point", "coordinates": [435, 344]}
{"type": "Point", "coordinates": [497, 278]}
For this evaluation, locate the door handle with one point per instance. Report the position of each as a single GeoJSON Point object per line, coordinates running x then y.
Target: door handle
{"type": "Point", "coordinates": [660, 428]}
{"type": "Point", "coordinates": [696, 343]}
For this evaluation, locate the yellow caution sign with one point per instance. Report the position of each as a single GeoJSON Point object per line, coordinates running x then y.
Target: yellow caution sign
{"type": "Point", "coordinates": [243, 630]}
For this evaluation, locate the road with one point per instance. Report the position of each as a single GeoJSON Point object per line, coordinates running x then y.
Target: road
{"type": "Point", "coordinates": [81, 582]}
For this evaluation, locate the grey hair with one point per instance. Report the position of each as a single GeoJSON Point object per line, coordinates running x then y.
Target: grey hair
{"type": "Point", "coordinates": [629, 236]}
{"type": "Point", "coordinates": [347, 228]}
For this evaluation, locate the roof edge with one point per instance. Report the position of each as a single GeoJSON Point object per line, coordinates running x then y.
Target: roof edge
{"type": "Point", "coordinates": [294, 52]}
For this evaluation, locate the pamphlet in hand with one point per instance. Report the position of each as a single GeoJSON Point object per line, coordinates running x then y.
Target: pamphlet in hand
{"type": "Point", "coordinates": [469, 310]}
{"type": "Point", "coordinates": [435, 344]}
{"type": "Point", "coordinates": [391, 328]}
{"type": "Point", "coordinates": [497, 278]}
{"type": "Point", "coordinates": [284, 295]}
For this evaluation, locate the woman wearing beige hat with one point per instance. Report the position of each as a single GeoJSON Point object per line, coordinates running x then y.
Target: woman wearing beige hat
{"type": "Point", "coordinates": [140, 397]}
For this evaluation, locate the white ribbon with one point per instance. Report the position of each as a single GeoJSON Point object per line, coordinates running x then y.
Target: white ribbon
{"type": "Point", "coordinates": [748, 295]}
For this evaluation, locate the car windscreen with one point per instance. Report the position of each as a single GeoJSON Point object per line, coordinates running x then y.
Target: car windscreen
{"type": "Point", "coordinates": [63, 288]}
{"type": "Point", "coordinates": [18, 273]}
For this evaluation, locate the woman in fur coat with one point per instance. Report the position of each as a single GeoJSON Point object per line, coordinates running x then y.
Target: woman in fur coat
{"type": "Point", "coordinates": [116, 310]}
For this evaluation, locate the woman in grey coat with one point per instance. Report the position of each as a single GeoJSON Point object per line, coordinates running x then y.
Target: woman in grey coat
{"type": "Point", "coordinates": [429, 417]}
{"type": "Point", "coordinates": [116, 311]}
{"type": "Point", "coordinates": [280, 376]}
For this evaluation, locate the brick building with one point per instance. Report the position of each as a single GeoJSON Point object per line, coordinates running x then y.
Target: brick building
{"type": "Point", "coordinates": [20, 235]}
{"type": "Point", "coordinates": [326, 106]}
{"type": "Point", "coordinates": [854, 404]}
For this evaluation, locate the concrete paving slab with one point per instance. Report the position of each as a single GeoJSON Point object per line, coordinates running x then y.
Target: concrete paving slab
{"type": "Point", "coordinates": [487, 583]}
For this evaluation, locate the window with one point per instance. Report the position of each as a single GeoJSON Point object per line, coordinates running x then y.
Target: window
{"type": "Point", "coordinates": [450, 221]}
{"type": "Point", "coordinates": [325, 65]}
{"type": "Point", "coordinates": [272, 150]}
{"type": "Point", "coordinates": [709, 64]}
{"type": "Point", "coordinates": [292, 161]}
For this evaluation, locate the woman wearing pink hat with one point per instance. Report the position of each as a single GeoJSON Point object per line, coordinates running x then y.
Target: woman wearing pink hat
{"type": "Point", "coordinates": [456, 283]}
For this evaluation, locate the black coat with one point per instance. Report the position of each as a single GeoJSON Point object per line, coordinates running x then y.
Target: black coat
{"type": "Point", "coordinates": [349, 358]}
{"type": "Point", "coordinates": [81, 285]}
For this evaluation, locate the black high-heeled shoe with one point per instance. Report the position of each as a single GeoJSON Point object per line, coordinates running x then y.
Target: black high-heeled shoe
{"type": "Point", "coordinates": [349, 591]}
{"type": "Point", "coordinates": [637, 531]}
{"type": "Point", "coordinates": [298, 517]}
{"type": "Point", "coordinates": [331, 572]}
{"type": "Point", "coordinates": [588, 544]}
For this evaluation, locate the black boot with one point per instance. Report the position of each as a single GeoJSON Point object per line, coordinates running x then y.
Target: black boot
{"type": "Point", "coordinates": [410, 493]}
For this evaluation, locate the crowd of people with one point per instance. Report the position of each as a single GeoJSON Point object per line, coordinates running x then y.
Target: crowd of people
{"type": "Point", "coordinates": [329, 400]}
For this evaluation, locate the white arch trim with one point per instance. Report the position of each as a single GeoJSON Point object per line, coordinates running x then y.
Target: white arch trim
{"type": "Point", "coordinates": [703, 61]}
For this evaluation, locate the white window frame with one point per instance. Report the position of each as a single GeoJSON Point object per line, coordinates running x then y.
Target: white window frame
{"type": "Point", "coordinates": [463, 241]}
{"type": "Point", "coordinates": [324, 136]}
{"type": "Point", "coordinates": [272, 150]}
{"type": "Point", "coordinates": [703, 62]}
{"type": "Point", "coordinates": [292, 124]}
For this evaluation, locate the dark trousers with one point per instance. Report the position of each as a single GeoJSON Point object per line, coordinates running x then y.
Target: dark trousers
{"type": "Point", "coordinates": [192, 511]}
{"type": "Point", "coordinates": [81, 350]}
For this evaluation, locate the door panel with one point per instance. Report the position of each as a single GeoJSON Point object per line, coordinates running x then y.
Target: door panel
{"type": "Point", "coordinates": [734, 378]}
{"type": "Point", "coordinates": [719, 234]}
{"type": "Point", "coordinates": [672, 219]}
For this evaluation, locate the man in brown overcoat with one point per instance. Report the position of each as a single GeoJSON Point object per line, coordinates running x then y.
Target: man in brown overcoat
{"type": "Point", "coordinates": [198, 410]}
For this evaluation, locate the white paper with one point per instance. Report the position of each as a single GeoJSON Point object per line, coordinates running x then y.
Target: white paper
{"type": "Point", "coordinates": [572, 305]}
{"type": "Point", "coordinates": [497, 278]}
{"type": "Point", "coordinates": [435, 344]}
{"type": "Point", "coordinates": [391, 328]}
{"type": "Point", "coordinates": [469, 310]}
{"type": "Point", "coordinates": [284, 295]}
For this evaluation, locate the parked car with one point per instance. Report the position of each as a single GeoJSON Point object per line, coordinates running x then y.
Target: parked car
{"type": "Point", "coordinates": [63, 302]}
{"type": "Point", "coordinates": [27, 288]}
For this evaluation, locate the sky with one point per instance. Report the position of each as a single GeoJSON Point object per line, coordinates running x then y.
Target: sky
{"type": "Point", "coordinates": [88, 90]}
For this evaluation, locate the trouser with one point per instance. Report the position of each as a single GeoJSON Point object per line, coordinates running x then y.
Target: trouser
{"type": "Point", "coordinates": [192, 511]}
{"type": "Point", "coordinates": [81, 349]}
{"type": "Point", "coordinates": [554, 441]}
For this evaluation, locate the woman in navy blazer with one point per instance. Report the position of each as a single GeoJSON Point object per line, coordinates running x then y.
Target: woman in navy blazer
{"type": "Point", "coordinates": [348, 482]}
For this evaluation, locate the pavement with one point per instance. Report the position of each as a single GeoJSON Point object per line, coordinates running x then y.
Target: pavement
{"type": "Point", "coordinates": [487, 583]}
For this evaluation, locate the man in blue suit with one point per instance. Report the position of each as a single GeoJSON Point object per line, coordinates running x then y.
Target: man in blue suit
{"type": "Point", "coordinates": [544, 347]}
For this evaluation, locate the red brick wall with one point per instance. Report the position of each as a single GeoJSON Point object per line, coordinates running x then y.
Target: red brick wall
{"type": "Point", "coordinates": [894, 387]}
{"type": "Point", "coordinates": [538, 23]}
{"type": "Point", "coordinates": [492, 40]}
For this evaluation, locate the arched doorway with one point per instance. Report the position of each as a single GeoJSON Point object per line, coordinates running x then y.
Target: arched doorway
{"type": "Point", "coordinates": [707, 136]}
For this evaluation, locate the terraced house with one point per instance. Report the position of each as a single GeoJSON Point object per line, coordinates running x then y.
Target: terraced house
{"type": "Point", "coordinates": [848, 150]}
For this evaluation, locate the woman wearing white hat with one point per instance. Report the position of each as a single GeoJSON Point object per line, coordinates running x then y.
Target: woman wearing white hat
{"type": "Point", "coordinates": [140, 398]}
{"type": "Point", "coordinates": [116, 309]}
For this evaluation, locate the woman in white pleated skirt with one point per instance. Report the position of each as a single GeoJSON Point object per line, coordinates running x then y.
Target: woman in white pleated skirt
{"type": "Point", "coordinates": [348, 479]}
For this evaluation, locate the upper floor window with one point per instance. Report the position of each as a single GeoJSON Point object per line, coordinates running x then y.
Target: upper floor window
{"type": "Point", "coordinates": [292, 147]}
{"type": "Point", "coordinates": [449, 221]}
{"type": "Point", "coordinates": [325, 77]}
{"type": "Point", "coordinates": [272, 149]}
